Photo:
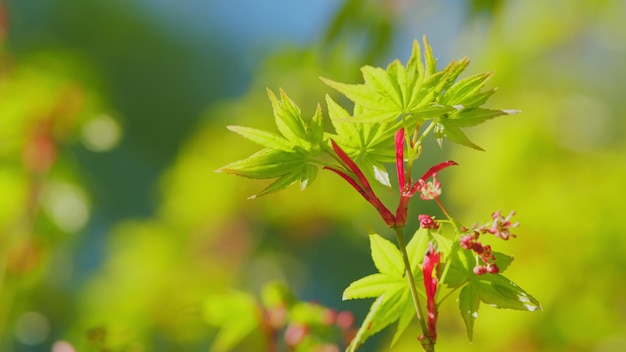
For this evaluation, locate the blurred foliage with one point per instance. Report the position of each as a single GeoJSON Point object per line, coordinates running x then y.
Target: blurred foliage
{"type": "Point", "coordinates": [119, 250]}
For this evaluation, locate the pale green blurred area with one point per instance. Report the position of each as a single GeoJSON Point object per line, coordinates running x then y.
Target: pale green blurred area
{"type": "Point", "coordinates": [134, 229]}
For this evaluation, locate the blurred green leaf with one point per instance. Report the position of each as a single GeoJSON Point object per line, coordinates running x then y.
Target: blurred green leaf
{"type": "Point", "coordinates": [276, 293]}
{"type": "Point", "coordinates": [235, 314]}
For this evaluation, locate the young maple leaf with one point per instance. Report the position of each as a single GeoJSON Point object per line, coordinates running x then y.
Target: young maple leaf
{"type": "Point", "coordinates": [389, 286]}
{"type": "Point", "coordinates": [286, 156]}
{"type": "Point", "coordinates": [407, 96]}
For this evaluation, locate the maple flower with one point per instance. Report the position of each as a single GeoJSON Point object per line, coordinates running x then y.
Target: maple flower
{"type": "Point", "coordinates": [431, 260]}
{"type": "Point", "coordinates": [357, 179]}
{"type": "Point", "coordinates": [406, 185]}
{"type": "Point", "coordinates": [429, 190]}
{"type": "Point", "coordinates": [501, 226]}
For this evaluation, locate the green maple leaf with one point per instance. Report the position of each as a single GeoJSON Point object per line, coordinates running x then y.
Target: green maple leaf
{"type": "Point", "coordinates": [389, 286]}
{"type": "Point", "coordinates": [399, 95]}
{"type": "Point", "coordinates": [388, 100]}
{"type": "Point", "coordinates": [407, 96]}
{"type": "Point", "coordinates": [235, 313]}
{"type": "Point", "coordinates": [287, 156]}
{"type": "Point", "coordinates": [492, 289]}
{"type": "Point", "coordinates": [465, 96]}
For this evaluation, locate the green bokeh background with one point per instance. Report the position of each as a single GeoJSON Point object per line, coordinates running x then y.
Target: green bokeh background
{"type": "Point", "coordinates": [150, 230]}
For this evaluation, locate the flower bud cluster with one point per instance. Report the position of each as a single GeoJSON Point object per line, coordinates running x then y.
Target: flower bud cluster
{"type": "Point", "coordinates": [484, 252]}
{"type": "Point", "coordinates": [427, 222]}
{"type": "Point", "coordinates": [499, 227]}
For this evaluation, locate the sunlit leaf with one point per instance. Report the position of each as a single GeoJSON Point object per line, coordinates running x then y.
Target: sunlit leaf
{"type": "Point", "coordinates": [267, 163]}
{"type": "Point", "coordinates": [379, 81]}
{"type": "Point", "coordinates": [316, 131]}
{"type": "Point", "coordinates": [266, 139]}
{"type": "Point", "coordinates": [431, 63]}
{"type": "Point", "coordinates": [386, 256]}
{"type": "Point", "coordinates": [399, 92]}
{"type": "Point", "coordinates": [286, 158]}
{"type": "Point", "coordinates": [474, 116]}
{"type": "Point", "coordinates": [288, 118]}
{"type": "Point", "coordinates": [477, 99]}
{"type": "Point", "coordinates": [453, 70]}
{"type": "Point", "coordinates": [371, 286]}
{"type": "Point", "coordinates": [463, 90]}
{"type": "Point", "coordinates": [445, 244]}
{"type": "Point", "coordinates": [362, 95]}
{"type": "Point", "coordinates": [366, 144]}
{"type": "Point", "coordinates": [394, 302]}
{"type": "Point", "coordinates": [280, 183]}
{"type": "Point", "coordinates": [417, 247]}
{"type": "Point", "coordinates": [454, 134]}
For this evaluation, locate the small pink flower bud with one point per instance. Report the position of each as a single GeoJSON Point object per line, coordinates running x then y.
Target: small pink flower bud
{"type": "Point", "coordinates": [427, 222]}
{"type": "Point", "coordinates": [467, 242]}
{"type": "Point", "coordinates": [492, 268]}
{"type": "Point", "coordinates": [478, 247]}
{"type": "Point", "coordinates": [480, 269]}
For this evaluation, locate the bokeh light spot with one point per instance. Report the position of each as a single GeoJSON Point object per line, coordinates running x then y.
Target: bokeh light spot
{"type": "Point", "coordinates": [102, 133]}
{"type": "Point", "coordinates": [63, 346]}
{"type": "Point", "coordinates": [67, 206]}
{"type": "Point", "coordinates": [32, 328]}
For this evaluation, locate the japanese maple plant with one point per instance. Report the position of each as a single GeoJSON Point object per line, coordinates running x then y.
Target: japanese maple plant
{"type": "Point", "coordinates": [394, 111]}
